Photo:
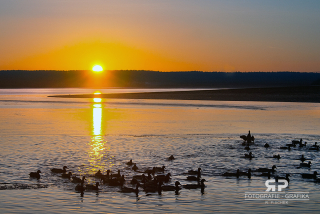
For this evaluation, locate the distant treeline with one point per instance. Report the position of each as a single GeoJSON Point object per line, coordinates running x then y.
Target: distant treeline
{"type": "Point", "coordinates": [151, 79]}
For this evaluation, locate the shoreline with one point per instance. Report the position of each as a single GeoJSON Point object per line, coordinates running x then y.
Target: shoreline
{"type": "Point", "coordinates": [310, 94]}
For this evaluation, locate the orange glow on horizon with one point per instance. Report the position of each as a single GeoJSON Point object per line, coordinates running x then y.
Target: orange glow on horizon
{"type": "Point", "coordinates": [117, 56]}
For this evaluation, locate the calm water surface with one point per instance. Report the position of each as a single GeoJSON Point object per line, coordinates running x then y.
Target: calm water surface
{"type": "Point", "coordinates": [88, 135]}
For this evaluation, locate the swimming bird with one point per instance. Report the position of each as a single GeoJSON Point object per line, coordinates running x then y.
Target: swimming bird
{"type": "Point", "coordinates": [98, 174]}
{"type": "Point", "coordinates": [153, 187]}
{"type": "Point", "coordinates": [134, 181]}
{"type": "Point", "coordinates": [286, 178]}
{"type": "Point", "coordinates": [130, 163]}
{"type": "Point", "coordinates": [118, 175]}
{"type": "Point", "coordinates": [176, 187]}
{"type": "Point", "coordinates": [266, 145]}
{"type": "Point", "coordinates": [291, 144]}
{"type": "Point", "coordinates": [130, 190]}
{"type": "Point", "coordinates": [171, 158]}
{"type": "Point", "coordinates": [272, 170]}
{"type": "Point", "coordinates": [306, 164]}
{"type": "Point", "coordinates": [135, 168]}
{"type": "Point", "coordinates": [286, 147]}
{"type": "Point", "coordinates": [159, 169]}
{"type": "Point", "coordinates": [92, 186]}
{"type": "Point", "coordinates": [75, 179]}
{"type": "Point", "coordinates": [195, 186]}
{"type": "Point", "coordinates": [163, 178]}
{"type": "Point", "coordinates": [246, 173]}
{"type": "Point", "coordinates": [302, 158]}
{"type": "Point", "coordinates": [306, 175]}
{"type": "Point", "coordinates": [194, 178]}
{"type": "Point", "coordinates": [116, 181]}
{"type": "Point", "coordinates": [80, 187]}
{"type": "Point", "coordinates": [194, 172]}
{"type": "Point", "coordinates": [247, 148]}
{"type": "Point", "coordinates": [105, 178]}
{"type": "Point", "coordinates": [63, 170]}
{"type": "Point", "coordinates": [277, 156]}
{"type": "Point", "coordinates": [35, 174]}
{"type": "Point", "coordinates": [142, 178]}
{"type": "Point", "coordinates": [314, 148]}
{"type": "Point", "coordinates": [297, 141]}
{"type": "Point", "coordinates": [266, 174]}
{"type": "Point", "coordinates": [150, 171]}
{"type": "Point", "coordinates": [237, 174]}
{"type": "Point", "coordinates": [250, 156]}
{"type": "Point", "coordinates": [302, 145]}
{"type": "Point", "coordinates": [64, 175]}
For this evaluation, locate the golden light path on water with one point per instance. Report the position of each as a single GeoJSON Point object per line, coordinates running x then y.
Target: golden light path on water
{"type": "Point", "coordinates": [98, 151]}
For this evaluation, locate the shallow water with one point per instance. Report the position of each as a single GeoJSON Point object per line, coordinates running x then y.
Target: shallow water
{"type": "Point", "coordinates": [88, 135]}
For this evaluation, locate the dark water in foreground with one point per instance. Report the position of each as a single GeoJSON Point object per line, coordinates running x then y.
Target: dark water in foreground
{"type": "Point", "coordinates": [87, 135]}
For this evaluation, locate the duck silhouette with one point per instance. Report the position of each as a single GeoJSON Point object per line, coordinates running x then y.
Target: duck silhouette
{"type": "Point", "coordinates": [130, 190]}
{"type": "Point", "coordinates": [272, 170]}
{"type": "Point", "coordinates": [266, 174]}
{"type": "Point", "coordinates": [56, 170]}
{"type": "Point", "coordinates": [135, 168]}
{"type": "Point", "coordinates": [98, 174]}
{"type": "Point", "coordinates": [250, 156]}
{"type": "Point", "coordinates": [306, 164]}
{"type": "Point", "coordinates": [118, 175]}
{"type": "Point", "coordinates": [277, 156]}
{"type": "Point", "coordinates": [35, 174]}
{"type": "Point", "coordinates": [230, 174]}
{"type": "Point", "coordinates": [92, 186]}
{"type": "Point", "coordinates": [130, 163]}
{"type": "Point", "coordinates": [176, 187]}
{"type": "Point", "coordinates": [302, 158]}
{"type": "Point", "coordinates": [80, 187]}
{"type": "Point", "coordinates": [68, 175]}
{"type": "Point", "coordinates": [75, 179]}
{"type": "Point", "coordinates": [286, 147]}
{"type": "Point", "coordinates": [194, 172]}
{"type": "Point", "coordinates": [195, 186]}
{"type": "Point", "coordinates": [164, 178]}
{"type": "Point", "coordinates": [171, 158]}
{"type": "Point", "coordinates": [248, 174]}
{"type": "Point", "coordinates": [153, 187]}
{"type": "Point", "coordinates": [313, 175]}
{"type": "Point", "coordinates": [159, 169]}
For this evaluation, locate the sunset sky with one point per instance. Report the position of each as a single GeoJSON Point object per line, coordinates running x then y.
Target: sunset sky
{"type": "Point", "coordinates": [160, 35]}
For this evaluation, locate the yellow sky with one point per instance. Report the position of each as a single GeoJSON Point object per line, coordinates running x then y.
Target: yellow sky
{"type": "Point", "coordinates": [160, 35]}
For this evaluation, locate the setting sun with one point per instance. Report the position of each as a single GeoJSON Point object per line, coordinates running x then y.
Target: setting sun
{"type": "Point", "coordinates": [97, 68]}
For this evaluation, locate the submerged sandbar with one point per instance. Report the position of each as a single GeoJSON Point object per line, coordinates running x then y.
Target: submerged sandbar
{"type": "Point", "coordinates": [275, 94]}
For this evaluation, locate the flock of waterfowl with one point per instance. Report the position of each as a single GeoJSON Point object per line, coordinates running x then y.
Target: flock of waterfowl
{"type": "Point", "coordinates": [156, 179]}
{"type": "Point", "coordinates": [271, 172]}
{"type": "Point", "coordinates": [151, 180]}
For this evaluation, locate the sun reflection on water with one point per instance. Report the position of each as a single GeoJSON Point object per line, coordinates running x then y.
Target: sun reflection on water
{"type": "Point", "coordinates": [99, 151]}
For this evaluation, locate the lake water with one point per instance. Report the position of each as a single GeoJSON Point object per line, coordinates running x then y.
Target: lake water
{"type": "Point", "coordinates": [87, 135]}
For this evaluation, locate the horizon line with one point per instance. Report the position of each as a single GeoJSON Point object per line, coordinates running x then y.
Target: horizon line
{"type": "Point", "coordinates": [172, 71]}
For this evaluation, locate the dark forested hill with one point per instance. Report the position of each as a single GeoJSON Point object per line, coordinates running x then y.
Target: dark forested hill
{"type": "Point", "coordinates": [127, 78]}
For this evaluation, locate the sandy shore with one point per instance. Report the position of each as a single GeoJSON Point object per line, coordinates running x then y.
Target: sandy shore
{"type": "Point", "coordinates": [277, 94]}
